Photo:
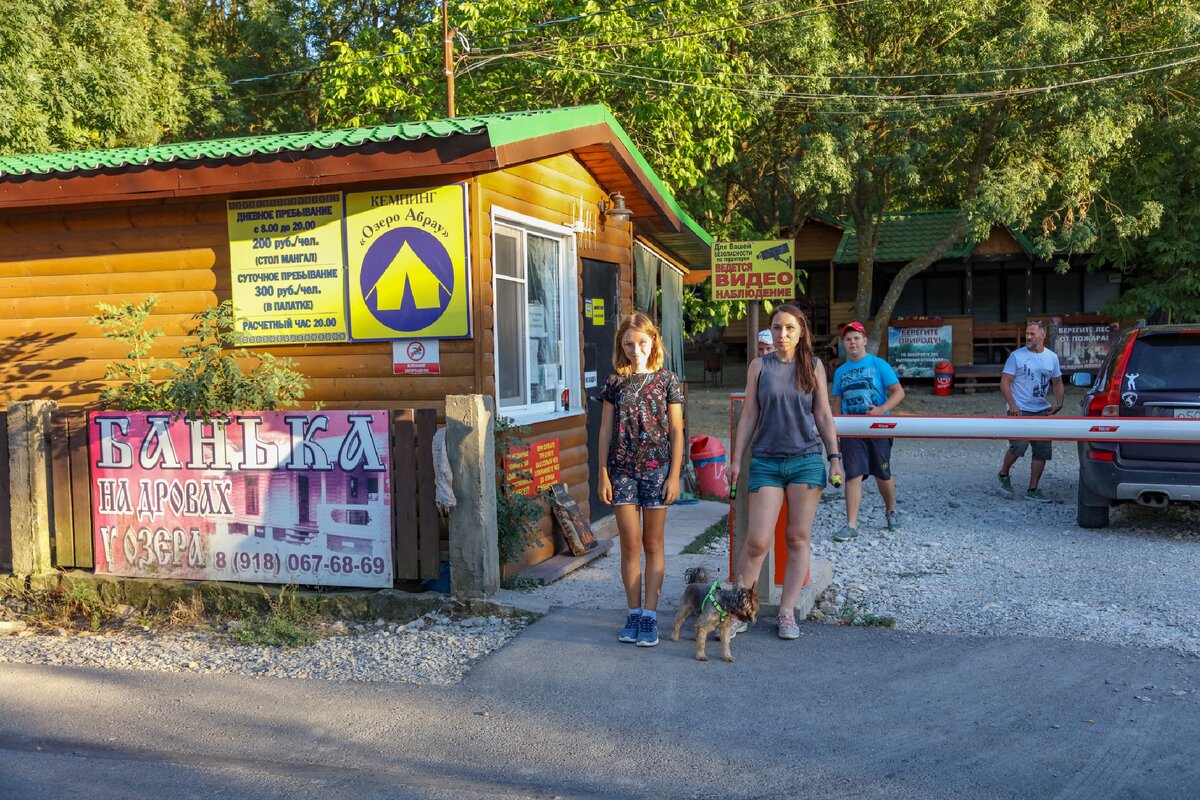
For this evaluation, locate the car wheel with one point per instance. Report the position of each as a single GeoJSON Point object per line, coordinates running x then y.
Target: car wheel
{"type": "Point", "coordinates": [1089, 516]}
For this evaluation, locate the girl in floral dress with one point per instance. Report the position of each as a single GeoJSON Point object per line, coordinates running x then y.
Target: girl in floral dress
{"type": "Point", "coordinates": [641, 452]}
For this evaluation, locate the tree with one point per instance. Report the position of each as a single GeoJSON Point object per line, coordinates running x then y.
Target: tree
{"type": "Point", "coordinates": [85, 75]}
{"type": "Point", "coordinates": [560, 54]}
{"type": "Point", "coordinates": [1002, 110]}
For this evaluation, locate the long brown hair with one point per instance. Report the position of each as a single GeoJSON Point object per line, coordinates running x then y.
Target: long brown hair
{"type": "Point", "coordinates": [641, 323]}
{"type": "Point", "coordinates": [806, 373]}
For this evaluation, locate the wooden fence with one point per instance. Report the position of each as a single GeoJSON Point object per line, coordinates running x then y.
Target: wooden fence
{"type": "Point", "coordinates": [5, 508]}
{"type": "Point", "coordinates": [70, 490]}
{"type": "Point", "coordinates": [416, 546]}
{"type": "Point", "coordinates": [415, 541]}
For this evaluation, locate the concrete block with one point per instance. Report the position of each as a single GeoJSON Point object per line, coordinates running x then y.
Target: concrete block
{"type": "Point", "coordinates": [471, 447]}
{"type": "Point", "coordinates": [398, 605]}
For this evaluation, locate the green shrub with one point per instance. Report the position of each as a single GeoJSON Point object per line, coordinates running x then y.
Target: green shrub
{"type": "Point", "coordinates": [209, 380]}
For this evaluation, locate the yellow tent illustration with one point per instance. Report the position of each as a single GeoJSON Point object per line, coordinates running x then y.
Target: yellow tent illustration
{"type": "Point", "coordinates": [407, 270]}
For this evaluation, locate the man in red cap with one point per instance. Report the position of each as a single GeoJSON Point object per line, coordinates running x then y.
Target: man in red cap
{"type": "Point", "coordinates": [865, 384]}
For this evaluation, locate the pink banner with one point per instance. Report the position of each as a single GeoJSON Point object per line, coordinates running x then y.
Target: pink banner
{"type": "Point", "coordinates": [275, 497]}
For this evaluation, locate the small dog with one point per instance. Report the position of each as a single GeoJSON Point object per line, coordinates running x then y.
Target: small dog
{"type": "Point", "coordinates": [731, 602]}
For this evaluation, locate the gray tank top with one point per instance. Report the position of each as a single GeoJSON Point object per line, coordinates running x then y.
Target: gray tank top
{"type": "Point", "coordinates": [785, 419]}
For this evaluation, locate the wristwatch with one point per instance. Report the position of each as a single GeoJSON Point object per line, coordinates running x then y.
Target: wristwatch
{"type": "Point", "coordinates": [832, 456]}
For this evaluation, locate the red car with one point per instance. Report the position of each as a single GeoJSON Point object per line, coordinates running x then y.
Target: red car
{"type": "Point", "coordinates": [1152, 371]}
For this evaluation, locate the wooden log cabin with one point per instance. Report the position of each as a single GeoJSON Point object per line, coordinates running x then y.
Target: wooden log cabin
{"type": "Point", "coordinates": [548, 266]}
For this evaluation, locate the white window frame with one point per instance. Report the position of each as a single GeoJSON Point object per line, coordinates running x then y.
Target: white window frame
{"type": "Point", "coordinates": [568, 304]}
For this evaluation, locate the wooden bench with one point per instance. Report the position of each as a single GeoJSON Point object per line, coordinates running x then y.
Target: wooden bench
{"type": "Point", "coordinates": [971, 377]}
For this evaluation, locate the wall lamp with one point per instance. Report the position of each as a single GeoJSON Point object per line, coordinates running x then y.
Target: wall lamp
{"type": "Point", "coordinates": [614, 209]}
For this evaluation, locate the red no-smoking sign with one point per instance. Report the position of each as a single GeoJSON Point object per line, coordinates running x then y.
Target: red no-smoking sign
{"type": "Point", "coordinates": [416, 357]}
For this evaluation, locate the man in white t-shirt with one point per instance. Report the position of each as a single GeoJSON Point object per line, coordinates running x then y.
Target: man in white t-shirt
{"type": "Point", "coordinates": [1029, 375]}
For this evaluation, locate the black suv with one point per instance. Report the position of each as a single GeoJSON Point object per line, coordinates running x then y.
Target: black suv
{"type": "Point", "coordinates": [1152, 371]}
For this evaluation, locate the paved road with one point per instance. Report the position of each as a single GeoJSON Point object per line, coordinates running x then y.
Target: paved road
{"type": "Point", "coordinates": [566, 711]}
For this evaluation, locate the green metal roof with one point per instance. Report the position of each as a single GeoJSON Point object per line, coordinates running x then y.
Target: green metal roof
{"type": "Point", "coordinates": [904, 236]}
{"type": "Point", "coordinates": [500, 129]}
{"type": "Point", "coordinates": [240, 147]}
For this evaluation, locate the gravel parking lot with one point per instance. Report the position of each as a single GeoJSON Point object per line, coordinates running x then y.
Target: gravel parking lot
{"type": "Point", "coordinates": [968, 560]}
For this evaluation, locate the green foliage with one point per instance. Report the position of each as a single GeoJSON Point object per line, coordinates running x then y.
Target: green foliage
{"type": "Point", "coordinates": [516, 515]}
{"type": "Point", "coordinates": [858, 616]}
{"type": "Point", "coordinates": [286, 623]}
{"type": "Point", "coordinates": [712, 534]}
{"type": "Point", "coordinates": [84, 75]}
{"type": "Point", "coordinates": [209, 380]}
{"type": "Point", "coordinates": [522, 583]}
{"type": "Point", "coordinates": [527, 57]}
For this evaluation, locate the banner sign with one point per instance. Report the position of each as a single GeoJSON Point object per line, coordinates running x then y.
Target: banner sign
{"type": "Point", "coordinates": [1082, 346]}
{"type": "Point", "coordinates": [913, 352]}
{"type": "Point", "coordinates": [288, 273]}
{"type": "Point", "coordinates": [408, 267]}
{"type": "Point", "coordinates": [538, 465]}
{"type": "Point", "coordinates": [754, 270]}
{"type": "Point", "coordinates": [274, 497]}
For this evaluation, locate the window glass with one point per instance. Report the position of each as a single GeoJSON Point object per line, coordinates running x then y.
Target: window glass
{"type": "Point", "coordinates": [536, 312]}
{"type": "Point", "coordinates": [1165, 361]}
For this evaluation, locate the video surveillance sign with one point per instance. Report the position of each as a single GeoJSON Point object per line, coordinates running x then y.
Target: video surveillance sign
{"type": "Point", "coordinates": [763, 270]}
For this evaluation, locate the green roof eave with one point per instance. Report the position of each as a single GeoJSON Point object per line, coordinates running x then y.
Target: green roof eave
{"type": "Point", "coordinates": [499, 130]}
{"type": "Point", "coordinates": [511, 128]}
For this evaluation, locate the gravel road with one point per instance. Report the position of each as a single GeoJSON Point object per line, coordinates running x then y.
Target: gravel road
{"type": "Point", "coordinates": [967, 560]}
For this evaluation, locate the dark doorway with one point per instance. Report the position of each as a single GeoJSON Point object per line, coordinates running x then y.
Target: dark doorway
{"type": "Point", "coordinates": [601, 315]}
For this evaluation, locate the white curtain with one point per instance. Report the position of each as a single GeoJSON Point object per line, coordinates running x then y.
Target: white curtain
{"type": "Point", "coordinates": [545, 291]}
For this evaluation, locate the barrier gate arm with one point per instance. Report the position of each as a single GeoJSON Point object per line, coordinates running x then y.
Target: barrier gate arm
{"type": "Point", "coordinates": [1064, 429]}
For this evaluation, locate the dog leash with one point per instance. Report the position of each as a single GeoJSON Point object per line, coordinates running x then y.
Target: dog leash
{"type": "Point", "coordinates": [711, 597]}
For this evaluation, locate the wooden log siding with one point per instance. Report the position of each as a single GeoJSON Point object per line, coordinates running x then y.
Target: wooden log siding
{"type": "Point", "coordinates": [57, 263]}
{"type": "Point", "coordinates": [70, 490]}
{"type": "Point", "coordinates": [548, 190]}
{"type": "Point", "coordinates": [55, 266]}
{"type": "Point", "coordinates": [416, 549]}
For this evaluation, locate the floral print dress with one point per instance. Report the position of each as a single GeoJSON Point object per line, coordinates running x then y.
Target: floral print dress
{"type": "Point", "coordinates": [641, 428]}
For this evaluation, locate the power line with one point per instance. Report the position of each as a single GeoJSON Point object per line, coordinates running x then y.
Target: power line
{"type": "Point", "coordinates": [307, 70]}
{"type": "Point", "coordinates": [914, 76]}
{"type": "Point", "coordinates": [821, 96]}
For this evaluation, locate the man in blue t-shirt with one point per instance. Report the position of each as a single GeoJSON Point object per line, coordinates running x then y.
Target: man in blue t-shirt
{"type": "Point", "coordinates": [865, 384]}
{"type": "Point", "coordinates": [1030, 373]}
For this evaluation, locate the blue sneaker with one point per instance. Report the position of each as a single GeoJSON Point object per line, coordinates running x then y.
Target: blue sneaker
{"type": "Point", "coordinates": [630, 632]}
{"type": "Point", "coordinates": [647, 635]}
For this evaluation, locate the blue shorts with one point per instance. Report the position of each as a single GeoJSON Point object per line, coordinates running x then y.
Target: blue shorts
{"type": "Point", "coordinates": [785, 470]}
{"type": "Point", "coordinates": [643, 489]}
{"type": "Point", "coordinates": [862, 457]}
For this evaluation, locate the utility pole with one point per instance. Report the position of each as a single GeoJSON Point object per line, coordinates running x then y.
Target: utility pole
{"type": "Point", "coordinates": [448, 55]}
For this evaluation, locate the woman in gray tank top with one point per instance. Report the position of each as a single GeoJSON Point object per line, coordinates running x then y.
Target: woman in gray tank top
{"type": "Point", "coordinates": [785, 420]}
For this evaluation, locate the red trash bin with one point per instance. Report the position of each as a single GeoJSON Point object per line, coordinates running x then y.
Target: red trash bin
{"type": "Point", "coordinates": [708, 458]}
{"type": "Point", "coordinates": [943, 378]}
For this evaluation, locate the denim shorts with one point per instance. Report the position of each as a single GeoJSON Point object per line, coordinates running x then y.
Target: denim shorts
{"type": "Point", "coordinates": [785, 470]}
{"type": "Point", "coordinates": [643, 489]}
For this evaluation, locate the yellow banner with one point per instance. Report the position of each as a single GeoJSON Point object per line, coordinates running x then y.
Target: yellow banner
{"type": "Point", "coordinates": [285, 261]}
{"type": "Point", "coordinates": [408, 266]}
{"type": "Point", "coordinates": [754, 270]}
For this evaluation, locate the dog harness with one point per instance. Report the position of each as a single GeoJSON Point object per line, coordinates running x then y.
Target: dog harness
{"type": "Point", "coordinates": [711, 597]}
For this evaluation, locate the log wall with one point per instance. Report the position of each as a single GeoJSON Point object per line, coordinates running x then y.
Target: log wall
{"type": "Point", "coordinates": [57, 265]}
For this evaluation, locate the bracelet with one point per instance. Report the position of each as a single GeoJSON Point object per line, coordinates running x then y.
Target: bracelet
{"type": "Point", "coordinates": [832, 456]}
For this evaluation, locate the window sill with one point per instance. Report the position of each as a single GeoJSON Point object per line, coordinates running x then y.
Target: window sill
{"type": "Point", "coordinates": [534, 417]}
